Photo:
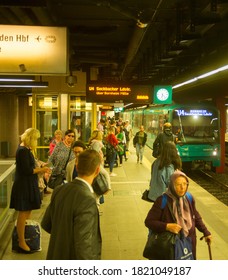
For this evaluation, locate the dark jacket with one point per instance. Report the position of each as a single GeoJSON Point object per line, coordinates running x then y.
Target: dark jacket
{"type": "Point", "coordinates": [136, 139]}
{"type": "Point", "coordinates": [158, 218]}
{"type": "Point", "coordinates": [160, 140]}
{"type": "Point", "coordinates": [72, 219]}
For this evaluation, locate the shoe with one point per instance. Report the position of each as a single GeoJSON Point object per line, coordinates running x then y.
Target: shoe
{"type": "Point", "coordinates": [120, 165]}
{"type": "Point", "coordinates": [23, 251]}
{"type": "Point", "coordinates": [140, 162]}
{"type": "Point", "coordinates": [126, 159]}
{"type": "Point", "coordinates": [113, 174]}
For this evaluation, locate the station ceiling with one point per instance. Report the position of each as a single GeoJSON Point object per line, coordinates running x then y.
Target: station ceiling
{"type": "Point", "coordinates": [136, 41]}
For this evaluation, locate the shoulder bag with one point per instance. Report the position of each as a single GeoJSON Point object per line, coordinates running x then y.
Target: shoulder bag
{"type": "Point", "coordinates": [160, 246]}
{"type": "Point", "coordinates": [100, 184]}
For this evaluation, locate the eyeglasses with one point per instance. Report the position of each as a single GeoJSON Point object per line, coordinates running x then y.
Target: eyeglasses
{"type": "Point", "coordinates": [70, 135]}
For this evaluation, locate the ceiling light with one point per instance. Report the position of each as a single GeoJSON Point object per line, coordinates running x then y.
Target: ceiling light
{"type": "Point", "coordinates": [17, 78]}
{"type": "Point", "coordinates": [220, 69]}
{"type": "Point", "coordinates": [141, 24]}
{"type": "Point", "coordinates": [19, 84]}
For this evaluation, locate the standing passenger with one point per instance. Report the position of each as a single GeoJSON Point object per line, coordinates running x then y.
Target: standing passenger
{"type": "Point", "coordinates": [25, 195]}
{"type": "Point", "coordinates": [162, 138]}
{"type": "Point", "coordinates": [187, 218]}
{"type": "Point", "coordinates": [72, 217]}
{"type": "Point", "coordinates": [62, 154]}
{"type": "Point", "coordinates": [71, 171]}
{"type": "Point", "coordinates": [162, 168]}
{"type": "Point", "coordinates": [128, 133]}
{"type": "Point", "coordinates": [139, 142]}
{"type": "Point", "coordinates": [111, 152]}
{"type": "Point", "coordinates": [58, 135]}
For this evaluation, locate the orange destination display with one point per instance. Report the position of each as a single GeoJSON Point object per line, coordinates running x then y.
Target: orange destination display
{"type": "Point", "coordinates": [141, 94]}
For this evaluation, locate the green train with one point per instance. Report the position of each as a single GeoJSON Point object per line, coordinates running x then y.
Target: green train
{"type": "Point", "coordinates": [197, 128]}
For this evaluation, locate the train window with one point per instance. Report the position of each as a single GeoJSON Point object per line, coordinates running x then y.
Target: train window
{"type": "Point", "coordinates": [47, 121]}
{"type": "Point", "coordinates": [80, 117]}
{"type": "Point", "coordinates": [196, 125]}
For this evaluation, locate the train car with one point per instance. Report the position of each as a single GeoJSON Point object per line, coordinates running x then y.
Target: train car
{"type": "Point", "coordinates": [196, 126]}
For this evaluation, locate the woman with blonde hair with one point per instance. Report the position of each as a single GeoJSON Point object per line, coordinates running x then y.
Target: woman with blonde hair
{"type": "Point", "coordinates": [95, 141]}
{"type": "Point", "coordinates": [25, 195]}
{"type": "Point", "coordinates": [58, 137]}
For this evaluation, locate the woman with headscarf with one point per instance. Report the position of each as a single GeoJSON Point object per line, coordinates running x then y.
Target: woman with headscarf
{"type": "Point", "coordinates": [185, 212]}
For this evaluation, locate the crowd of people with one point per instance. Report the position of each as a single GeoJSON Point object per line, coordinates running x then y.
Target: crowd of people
{"type": "Point", "coordinates": [74, 207]}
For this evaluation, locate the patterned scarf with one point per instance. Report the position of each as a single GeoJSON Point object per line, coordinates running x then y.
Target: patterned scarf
{"type": "Point", "coordinates": [181, 208]}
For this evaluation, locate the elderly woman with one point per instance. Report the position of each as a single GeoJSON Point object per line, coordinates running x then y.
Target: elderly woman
{"type": "Point", "coordinates": [186, 215]}
{"type": "Point", "coordinates": [25, 195]}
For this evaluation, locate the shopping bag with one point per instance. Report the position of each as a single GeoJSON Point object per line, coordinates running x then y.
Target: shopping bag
{"type": "Point", "coordinates": [32, 236]}
{"type": "Point", "coordinates": [183, 247]}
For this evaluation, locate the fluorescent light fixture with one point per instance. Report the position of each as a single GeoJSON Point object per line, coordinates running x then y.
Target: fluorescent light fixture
{"type": "Point", "coordinates": [223, 68]}
{"type": "Point", "coordinates": [17, 78]}
{"type": "Point", "coordinates": [23, 84]}
{"type": "Point", "coordinates": [128, 105]}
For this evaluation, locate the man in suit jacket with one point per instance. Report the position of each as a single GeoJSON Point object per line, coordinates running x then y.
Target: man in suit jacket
{"type": "Point", "coordinates": [72, 217]}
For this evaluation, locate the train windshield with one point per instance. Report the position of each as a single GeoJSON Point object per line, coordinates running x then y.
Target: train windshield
{"type": "Point", "coordinates": [196, 125]}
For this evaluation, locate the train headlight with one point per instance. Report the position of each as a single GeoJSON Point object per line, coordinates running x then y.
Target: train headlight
{"type": "Point", "coordinates": [215, 152]}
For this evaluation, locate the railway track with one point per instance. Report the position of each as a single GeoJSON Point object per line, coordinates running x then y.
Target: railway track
{"type": "Point", "coordinates": [216, 187]}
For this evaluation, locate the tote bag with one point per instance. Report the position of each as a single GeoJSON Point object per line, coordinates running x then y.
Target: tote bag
{"type": "Point", "coordinates": [32, 236]}
{"type": "Point", "coordinates": [183, 247]}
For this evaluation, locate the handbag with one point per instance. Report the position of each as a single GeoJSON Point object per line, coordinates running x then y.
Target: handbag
{"type": "Point", "coordinates": [56, 180]}
{"type": "Point", "coordinates": [160, 246]}
{"type": "Point", "coordinates": [100, 184]}
{"type": "Point", "coordinates": [145, 196]}
{"type": "Point", "coordinates": [183, 247]}
{"type": "Point", "coordinates": [32, 236]}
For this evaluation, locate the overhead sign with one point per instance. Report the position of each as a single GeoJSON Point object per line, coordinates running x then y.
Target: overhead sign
{"type": "Point", "coordinates": [118, 93]}
{"type": "Point", "coordinates": [106, 108]}
{"type": "Point", "coordinates": [162, 95]}
{"type": "Point", "coordinates": [33, 50]}
{"type": "Point", "coordinates": [191, 112]}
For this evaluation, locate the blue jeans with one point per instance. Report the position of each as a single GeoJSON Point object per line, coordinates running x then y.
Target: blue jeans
{"type": "Point", "coordinates": [139, 152]}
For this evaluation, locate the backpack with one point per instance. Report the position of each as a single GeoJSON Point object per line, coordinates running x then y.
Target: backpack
{"type": "Point", "coordinates": [164, 199]}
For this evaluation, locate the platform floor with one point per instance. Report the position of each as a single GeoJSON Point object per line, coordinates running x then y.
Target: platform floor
{"type": "Point", "coordinates": [123, 213]}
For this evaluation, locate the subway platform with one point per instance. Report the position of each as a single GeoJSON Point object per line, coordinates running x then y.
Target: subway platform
{"type": "Point", "coordinates": [123, 213]}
